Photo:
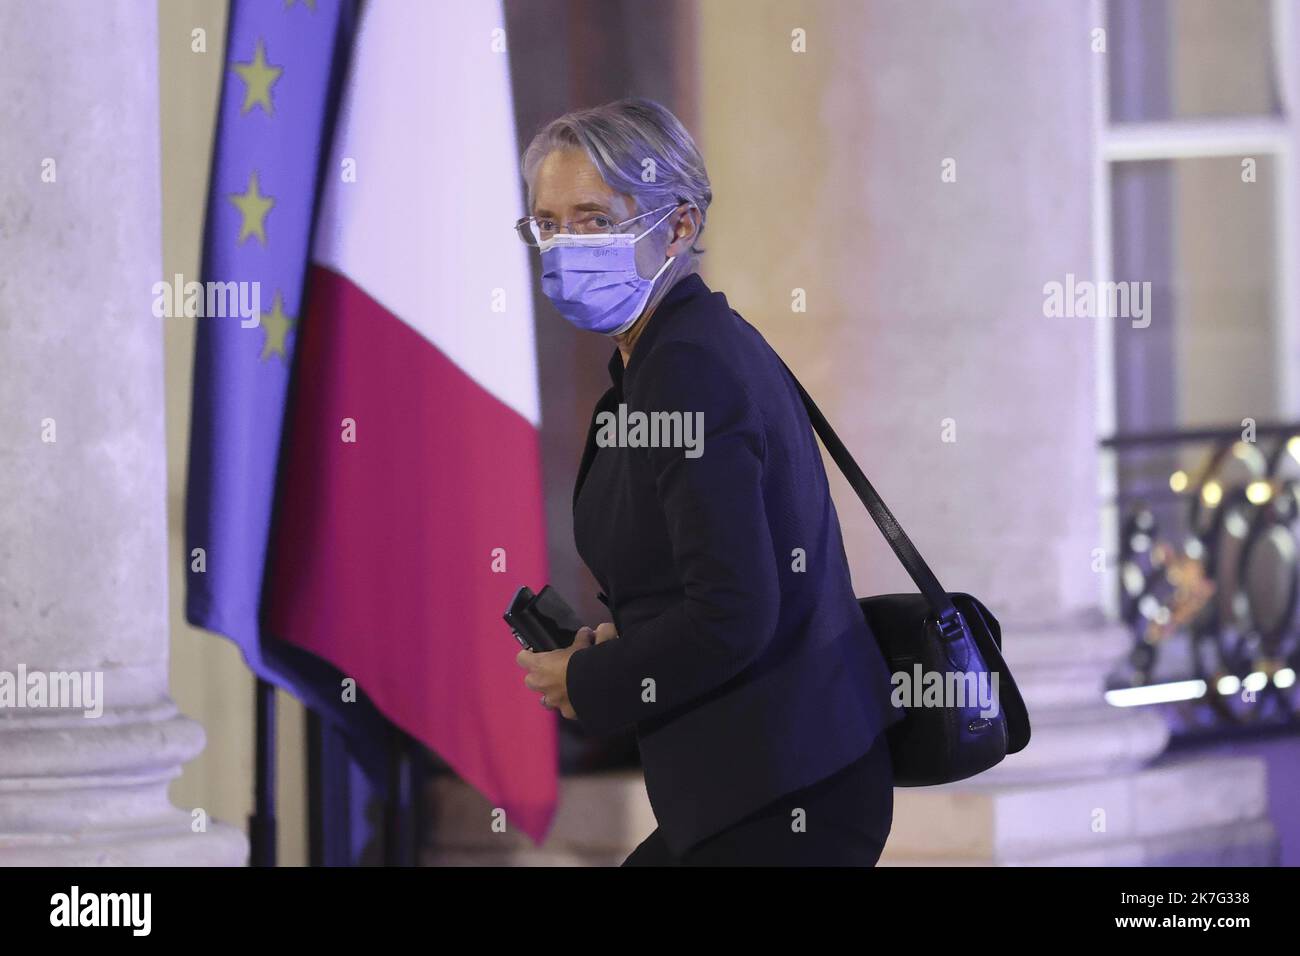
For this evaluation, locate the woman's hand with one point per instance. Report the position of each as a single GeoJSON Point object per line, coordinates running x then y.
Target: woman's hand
{"type": "Point", "coordinates": [548, 671]}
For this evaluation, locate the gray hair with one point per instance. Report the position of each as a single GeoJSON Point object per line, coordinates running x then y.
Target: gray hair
{"type": "Point", "coordinates": [639, 148]}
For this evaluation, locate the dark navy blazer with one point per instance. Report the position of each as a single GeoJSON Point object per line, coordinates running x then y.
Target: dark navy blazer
{"type": "Point", "coordinates": [742, 659]}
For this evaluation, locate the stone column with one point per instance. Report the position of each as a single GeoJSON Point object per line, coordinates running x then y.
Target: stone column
{"type": "Point", "coordinates": [828, 128]}
{"type": "Point", "coordinates": [83, 544]}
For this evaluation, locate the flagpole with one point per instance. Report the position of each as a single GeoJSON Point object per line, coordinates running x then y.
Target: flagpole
{"type": "Point", "coordinates": [400, 832]}
{"type": "Point", "coordinates": [261, 823]}
{"type": "Point", "coordinates": [317, 851]}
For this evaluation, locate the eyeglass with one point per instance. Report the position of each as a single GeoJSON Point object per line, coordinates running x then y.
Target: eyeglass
{"type": "Point", "coordinates": [534, 231]}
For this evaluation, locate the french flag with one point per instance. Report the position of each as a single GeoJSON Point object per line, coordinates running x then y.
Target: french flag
{"type": "Point", "coordinates": [410, 504]}
{"type": "Point", "coordinates": [363, 493]}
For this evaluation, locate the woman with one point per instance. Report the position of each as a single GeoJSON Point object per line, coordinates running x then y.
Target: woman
{"type": "Point", "coordinates": [737, 649]}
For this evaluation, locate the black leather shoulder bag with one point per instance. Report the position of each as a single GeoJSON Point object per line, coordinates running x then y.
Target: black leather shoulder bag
{"type": "Point", "coordinates": [950, 635]}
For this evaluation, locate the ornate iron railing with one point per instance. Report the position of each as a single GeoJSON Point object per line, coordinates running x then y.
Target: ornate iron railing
{"type": "Point", "coordinates": [1209, 573]}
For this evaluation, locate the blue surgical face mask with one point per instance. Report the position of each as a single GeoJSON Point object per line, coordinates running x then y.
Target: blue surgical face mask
{"type": "Point", "coordinates": [593, 280]}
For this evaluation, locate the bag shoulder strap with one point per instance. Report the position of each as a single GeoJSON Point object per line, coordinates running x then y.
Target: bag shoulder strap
{"type": "Point", "coordinates": [938, 599]}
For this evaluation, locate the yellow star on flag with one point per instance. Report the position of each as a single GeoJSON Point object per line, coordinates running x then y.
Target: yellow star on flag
{"type": "Point", "coordinates": [277, 326]}
{"type": "Point", "coordinates": [254, 207]}
{"type": "Point", "coordinates": [258, 77]}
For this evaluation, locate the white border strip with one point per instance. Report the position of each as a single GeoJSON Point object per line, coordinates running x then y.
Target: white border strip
{"type": "Point", "coordinates": [1196, 138]}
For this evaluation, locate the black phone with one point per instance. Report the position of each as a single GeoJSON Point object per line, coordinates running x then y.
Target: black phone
{"type": "Point", "coordinates": [542, 621]}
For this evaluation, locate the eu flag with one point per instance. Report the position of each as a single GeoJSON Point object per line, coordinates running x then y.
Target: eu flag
{"type": "Point", "coordinates": [283, 67]}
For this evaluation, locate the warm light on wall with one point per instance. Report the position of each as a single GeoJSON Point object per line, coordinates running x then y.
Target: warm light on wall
{"type": "Point", "coordinates": [1228, 685]}
{"type": "Point", "coordinates": [1258, 492]}
{"type": "Point", "coordinates": [1212, 493]}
